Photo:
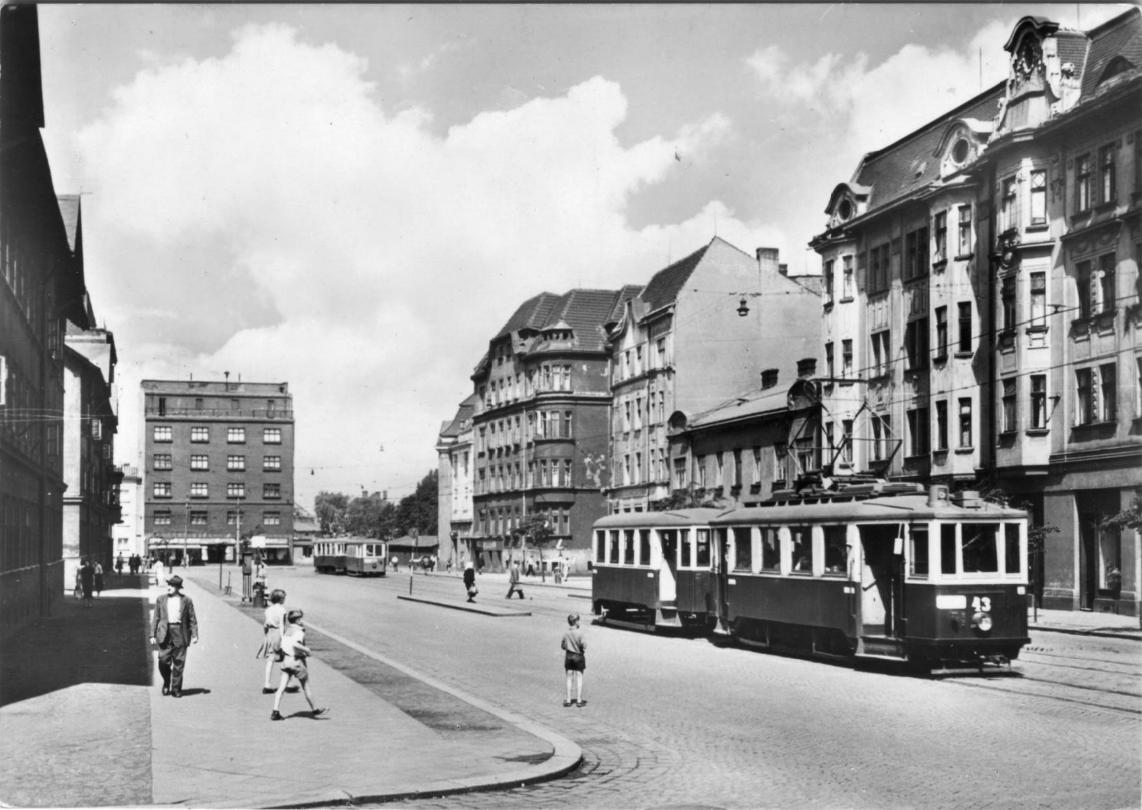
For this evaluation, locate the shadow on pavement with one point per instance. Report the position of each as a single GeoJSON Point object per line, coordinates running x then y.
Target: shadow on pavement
{"type": "Point", "coordinates": [104, 643]}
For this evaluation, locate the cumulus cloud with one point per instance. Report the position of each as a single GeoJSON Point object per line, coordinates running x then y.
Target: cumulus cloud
{"type": "Point", "coordinates": [303, 233]}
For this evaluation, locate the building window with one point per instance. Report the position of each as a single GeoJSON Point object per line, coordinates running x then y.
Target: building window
{"type": "Point", "coordinates": [163, 433]}
{"type": "Point", "coordinates": [680, 473]}
{"type": "Point", "coordinates": [1039, 401]}
{"type": "Point", "coordinates": [941, 426]}
{"type": "Point", "coordinates": [846, 358]}
{"type": "Point", "coordinates": [199, 489]}
{"type": "Point", "coordinates": [965, 423]}
{"type": "Point", "coordinates": [847, 279]}
{"type": "Point", "coordinates": [1108, 392]}
{"type": "Point", "coordinates": [1038, 299]}
{"type": "Point", "coordinates": [1008, 205]}
{"type": "Point", "coordinates": [233, 516]}
{"type": "Point", "coordinates": [847, 440]}
{"type": "Point", "coordinates": [1087, 290]}
{"type": "Point", "coordinates": [881, 352]}
{"type": "Point", "coordinates": [236, 463]}
{"type": "Point", "coordinates": [271, 435]}
{"type": "Point", "coordinates": [1106, 174]}
{"type": "Point", "coordinates": [965, 341]}
{"type": "Point", "coordinates": [236, 435]}
{"type": "Point", "coordinates": [162, 517]}
{"type": "Point", "coordinates": [272, 463]}
{"type": "Point", "coordinates": [964, 245]}
{"type": "Point", "coordinates": [881, 431]}
{"type": "Point", "coordinates": [200, 435]}
{"type": "Point", "coordinates": [941, 332]}
{"type": "Point", "coordinates": [700, 471]}
{"type": "Point", "coordinates": [916, 343]}
{"type": "Point", "coordinates": [878, 268]}
{"type": "Point", "coordinates": [1008, 406]}
{"type": "Point", "coordinates": [1084, 396]}
{"type": "Point", "coordinates": [198, 518]}
{"type": "Point", "coordinates": [235, 490]}
{"type": "Point", "coordinates": [1105, 287]}
{"type": "Point", "coordinates": [829, 360]}
{"type": "Point", "coordinates": [940, 227]}
{"type": "Point", "coordinates": [1039, 197]}
{"type": "Point", "coordinates": [161, 489]}
{"type": "Point", "coordinates": [162, 461]}
{"type": "Point", "coordinates": [271, 518]}
{"type": "Point", "coordinates": [1082, 183]}
{"type": "Point", "coordinates": [1007, 303]}
{"type": "Point", "coordinates": [916, 254]}
{"type": "Point", "coordinates": [918, 432]}
{"type": "Point", "coordinates": [271, 490]}
{"type": "Point", "coordinates": [200, 462]}
{"type": "Point", "coordinates": [828, 281]}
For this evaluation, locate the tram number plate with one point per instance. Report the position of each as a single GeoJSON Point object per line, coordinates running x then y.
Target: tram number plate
{"type": "Point", "coordinates": [951, 601]}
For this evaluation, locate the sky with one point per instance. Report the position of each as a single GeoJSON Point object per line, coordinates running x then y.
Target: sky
{"type": "Point", "coordinates": [354, 198]}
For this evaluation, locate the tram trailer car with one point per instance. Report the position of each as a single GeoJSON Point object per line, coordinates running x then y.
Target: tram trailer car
{"type": "Point", "coordinates": [637, 576]}
{"type": "Point", "coordinates": [353, 557]}
{"type": "Point", "coordinates": [880, 571]}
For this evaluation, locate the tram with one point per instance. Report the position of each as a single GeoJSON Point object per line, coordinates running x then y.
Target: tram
{"type": "Point", "coordinates": [870, 570]}
{"type": "Point", "coordinates": [356, 557]}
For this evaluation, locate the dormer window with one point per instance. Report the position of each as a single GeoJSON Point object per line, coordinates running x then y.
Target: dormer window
{"type": "Point", "coordinates": [845, 210]}
{"type": "Point", "coordinates": [961, 150]}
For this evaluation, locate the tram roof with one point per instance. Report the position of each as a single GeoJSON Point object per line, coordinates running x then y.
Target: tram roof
{"type": "Point", "coordinates": [884, 509]}
{"type": "Point", "coordinates": [673, 517]}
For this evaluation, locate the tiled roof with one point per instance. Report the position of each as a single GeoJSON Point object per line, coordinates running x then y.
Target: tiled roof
{"type": "Point", "coordinates": [628, 292]}
{"type": "Point", "coordinates": [1121, 36]}
{"type": "Point", "coordinates": [664, 286]}
{"type": "Point", "coordinates": [531, 314]}
{"type": "Point", "coordinates": [584, 312]}
{"type": "Point", "coordinates": [463, 414]}
{"type": "Point", "coordinates": [910, 164]}
{"type": "Point", "coordinates": [753, 403]}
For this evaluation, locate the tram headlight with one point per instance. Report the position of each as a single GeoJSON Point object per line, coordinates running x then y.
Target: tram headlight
{"type": "Point", "coordinates": [981, 622]}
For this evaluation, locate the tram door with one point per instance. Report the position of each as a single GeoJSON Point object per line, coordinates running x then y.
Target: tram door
{"type": "Point", "coordinates": [880, 581]}
{"type": "Point", "coordinates": [721, 573]}
{"type": "Point", "coordinates": [668, 565]}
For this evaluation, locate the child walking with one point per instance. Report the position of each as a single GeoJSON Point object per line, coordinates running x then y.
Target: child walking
{"type": "Point", "coordinates": [294, 653]}
{"type": "Point", "coordinates": [273, 627]}
{"type": "Point", "coordinates": [574, 660]}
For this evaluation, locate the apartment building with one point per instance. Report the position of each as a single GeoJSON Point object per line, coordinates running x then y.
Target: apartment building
{"type": "Point", "coordinates": [454, 483]}
{"type": "Point", "coordinates": [702, 330]}
{"type": "Point", "coordinates": [981, 311]}
{"type": "Point", "coordinates": [219, 469]}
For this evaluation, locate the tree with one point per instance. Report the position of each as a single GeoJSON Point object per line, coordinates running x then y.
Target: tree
{"type": "Point", "coordinates": [418, 510]}
{"type": "Point", "coordinates": [363, 515]}
{"type": "Point", "coordinates": [537, 531]}
{"type": "Point", "coordinates": [330, 510]}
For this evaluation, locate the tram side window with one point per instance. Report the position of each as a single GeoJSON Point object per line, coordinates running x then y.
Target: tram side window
{"type": "Point", "coordinates": [1011, 547]}
{"type": "Point", "coordinates": [770, 550]}
{"type": "Point", "coordinates": [743, 550]}
{"type": "Point", "coordinates": [948, 549]}
{"type": "Point", "coordinates": [802, 556]}
{"type": "Point", "coordinates": [687, 558]}
{"type": "Point", "coordinates": [980, 552]}
{"type": "Point", "coordinates": [628, 547]}
{"type": "Point", "coordinates": [836, 550]}
{"type": "Point", "coordinates": [600, 546]}
{"type": "Point", "coordinates": [644, 546]}
{"type": "Point", "coordinates": [918, 553]}
{"type": "Point", "coordinates": [613, 556]}
{"type": "Point", "coordinates": [702, 548]}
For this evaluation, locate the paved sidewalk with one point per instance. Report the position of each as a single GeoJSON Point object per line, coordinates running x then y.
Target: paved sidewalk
{"type": "Point", "coordinates": [1085, 623]}
{"type": "Point", "coordinates": [69, 742]}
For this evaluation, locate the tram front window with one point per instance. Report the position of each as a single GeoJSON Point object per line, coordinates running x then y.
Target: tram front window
{"type": "Point", "coordinates": [628, 547]}
{"type": "Point", "coordinates": [770, 550]}
{"type": "Point", "coordinates": [1011, 544]}
{"type": "Point", "coordinates": [644, 546]}
{"type": "Point", "coordinates": [835, 550]}
{"type": "Point", "coordinates": [703, 549]}
{"type": "Point", "coordinates": [918, 565]}
{"type": "Point", "coordinates": [979, 547]}
{"type": "Point", "coordinates": [743, 556]}
{"type": "Point", "coordinates": [802, 549]}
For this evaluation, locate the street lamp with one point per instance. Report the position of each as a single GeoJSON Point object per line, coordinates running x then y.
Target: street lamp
{"type": "Point", "coordinates": [186, 536]}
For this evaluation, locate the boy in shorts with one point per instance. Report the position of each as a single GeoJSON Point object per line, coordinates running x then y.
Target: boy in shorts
{"type": "Point", "coordinates": [294, 653]}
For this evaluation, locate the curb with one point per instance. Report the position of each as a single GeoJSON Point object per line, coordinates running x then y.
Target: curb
{"type": "Point", "coordinates": [1127, 636]}
{"type": "Point", "coordinates": [464, 607]}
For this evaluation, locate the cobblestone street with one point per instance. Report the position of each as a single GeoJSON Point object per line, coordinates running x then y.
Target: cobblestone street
{"type": "Point", "coordinates": [680, 721]}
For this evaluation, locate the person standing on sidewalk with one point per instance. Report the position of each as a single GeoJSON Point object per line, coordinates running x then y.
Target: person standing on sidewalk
{"type": "Point", "coordinates": [174, 629]}
{"type": "Point", "coordinates": [273, 626]}
{"type": "Point", "coordinates": [247, 579]}
{"type": "Point", "coordinates": [513, 581]}
{"type": "Point", "coordinates": [574, 660]}
{"type": "Point", "coordinates": [470, 582]}
{"type": "Point", "coordinates": [98, 578]}
{"type": "Point", "coordinates": [87, 581]}
{"type": "Point", "coordinates": [294, 653]}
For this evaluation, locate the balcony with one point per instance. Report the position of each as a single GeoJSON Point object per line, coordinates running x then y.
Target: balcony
{"type": "Point", "coordinates": [219, 413]}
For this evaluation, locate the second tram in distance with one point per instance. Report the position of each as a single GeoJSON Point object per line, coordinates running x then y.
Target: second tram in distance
{"type": "Point", "coordinates": [357, 557]}
{"type": "Point", "coordinates": [871, 570]}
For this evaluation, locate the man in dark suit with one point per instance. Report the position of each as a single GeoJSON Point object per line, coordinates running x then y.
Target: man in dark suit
{"type": "Point", "coordinates": [174, 629]}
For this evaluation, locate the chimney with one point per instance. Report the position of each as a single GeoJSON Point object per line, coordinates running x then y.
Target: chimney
{"type": "Point", "coordinates": [783, 269]}
{"type": "Point", "coordinates": [226, 374]}
{"type": "Point", "coordinates": [807, 367]}
{"type": "Point", "coordinates": [769, 378]}
{"type": "Point", "coordinates": [767, 260]}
